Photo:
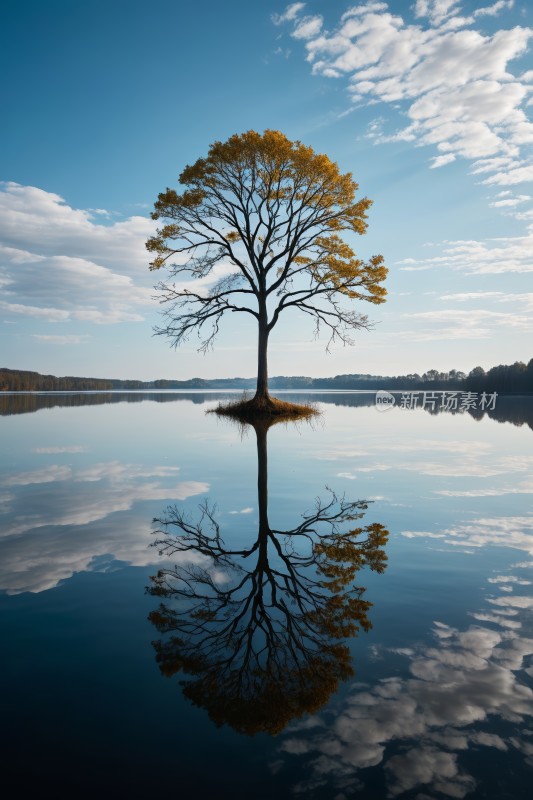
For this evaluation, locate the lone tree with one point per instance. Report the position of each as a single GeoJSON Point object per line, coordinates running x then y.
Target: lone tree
{"type": "Point", "coordinates": [261, 218]}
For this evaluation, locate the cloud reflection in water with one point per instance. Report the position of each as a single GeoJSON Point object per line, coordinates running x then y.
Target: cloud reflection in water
{"type": "Point", "coordinates": [62, 518]}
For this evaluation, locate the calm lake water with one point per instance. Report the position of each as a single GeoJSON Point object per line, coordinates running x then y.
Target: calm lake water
{"type": "Point", "coordinates": [231, 660]}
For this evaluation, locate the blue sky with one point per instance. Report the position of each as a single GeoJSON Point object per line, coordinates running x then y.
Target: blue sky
{"type": "Point", "coordinates": [428, 104]}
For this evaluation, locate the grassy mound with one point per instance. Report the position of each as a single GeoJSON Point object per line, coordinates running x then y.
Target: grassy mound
{"type": "Point", "coordinates": [267, 407]}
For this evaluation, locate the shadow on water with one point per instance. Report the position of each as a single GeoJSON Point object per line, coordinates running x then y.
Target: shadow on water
{"type": "Point", "coordinates": [260, 631]}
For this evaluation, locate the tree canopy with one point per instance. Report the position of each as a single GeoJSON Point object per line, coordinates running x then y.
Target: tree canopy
{"type": "Point", "coordinates": [260, 223]}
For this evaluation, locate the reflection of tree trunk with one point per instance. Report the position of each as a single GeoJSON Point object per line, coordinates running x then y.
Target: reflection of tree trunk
{"type": "Point", "coordinates": [262, 363]}
{"type": "Point", "coordinates": [261, 431]}
{"type": "Point", "coordinates": [264, 576]}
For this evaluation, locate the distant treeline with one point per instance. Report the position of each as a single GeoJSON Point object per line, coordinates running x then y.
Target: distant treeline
{"type": "Point", "coordinates": [15, 380]}
{"type": "Point", "coordinates": [514, 378]}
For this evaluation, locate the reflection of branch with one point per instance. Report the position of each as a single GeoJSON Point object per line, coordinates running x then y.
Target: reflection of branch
{"type": "Point", "coordinates": [262, 639]}
{"type": "Point", "coordinates": [192, 536]}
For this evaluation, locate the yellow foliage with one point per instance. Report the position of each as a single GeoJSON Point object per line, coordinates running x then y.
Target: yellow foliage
{"type": "Point", "coordinates": [289, 207]}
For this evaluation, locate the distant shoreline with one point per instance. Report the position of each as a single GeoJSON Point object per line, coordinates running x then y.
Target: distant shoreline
{"type": "Point", "coordinates": [516, 378]}
{"type": "Point", "coordinates": [394, 391]}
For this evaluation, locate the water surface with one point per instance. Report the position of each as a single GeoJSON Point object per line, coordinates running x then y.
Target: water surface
{"type": "Point", "coordinates": [434, 700]}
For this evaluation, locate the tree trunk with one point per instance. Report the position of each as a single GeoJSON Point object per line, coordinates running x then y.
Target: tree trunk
{"type": "Point", "coordinates": [262, 363]}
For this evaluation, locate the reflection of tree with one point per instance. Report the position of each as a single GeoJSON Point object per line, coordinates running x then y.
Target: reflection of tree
{"type": "Point", "coordinates": [261, 629]}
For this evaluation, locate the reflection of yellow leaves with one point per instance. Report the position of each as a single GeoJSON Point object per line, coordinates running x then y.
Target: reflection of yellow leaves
{"type": "Point", "coordinates": [340, 556]}
{"type": "Point", "coordinates": [173, 657]}
{"type": "Point", "coordinates": [269, 701]}
{"type": "Point", "coordinates": [267, 647]}
{"type": "Point", "coordinates": [342, 615]}
{"type": "Point", "coordinates": [204, 614]}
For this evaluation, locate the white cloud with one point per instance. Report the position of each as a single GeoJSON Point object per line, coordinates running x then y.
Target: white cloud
{"type": "Point", "coordinates": [511, 177]}
{"type": "Point", "coordinates": [441, 161]}
{"type": "Point", "coordinates": [61, 340]}
{"type": "Point", "coordinates": [494, 9]}
{"type": "Point", "coordinates": [57, 264]}
{"type": "Point", "coordinates": [435, 10]}
{"type": "Point", "coordinates": [460, 94]}
{"type": "Point", "coordinates": [42, 223]}
{"type": "Point", "coordinates": [523, 299]}
{"type": "Point", "coordinates": [307, 27]}
{"type": "Point", "coordinates": [69, 448]}
{"type": "Point", "coordinates": [38, 312]}
{"type": "Point", "coordinates": [203, 285]}
{"type": "Point", "coordinates": [495, 256]}
{"type": "Point", "coordinates": [511, 202]}
{"type": "Point", "coordinates": [290, 13]}
{"type": "Point", "coordinates": [59, 288]}
{"type": "Point", "coordinates": [491, 164]}
{"type": "Point", "coordinates": [458, 88]}
{"type": "Point", "coordinates": [462, 297]}
{"type": "Point", "coordinates": [460, 325]}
